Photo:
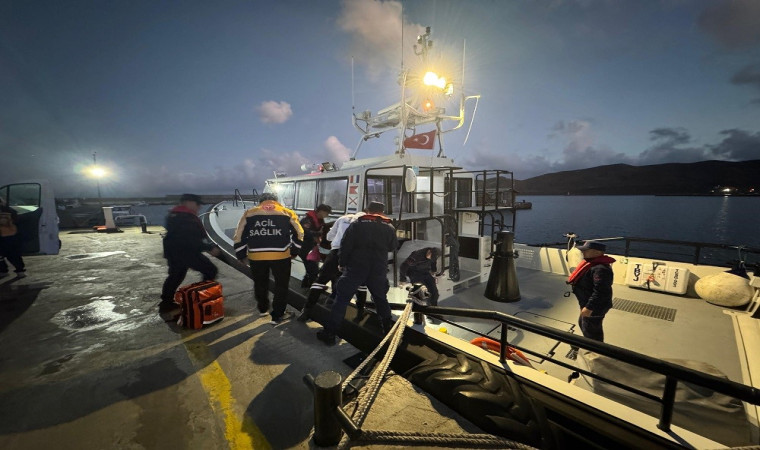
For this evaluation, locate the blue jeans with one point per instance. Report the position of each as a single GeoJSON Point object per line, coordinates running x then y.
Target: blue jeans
{"type": "Point", "coordinates": [591, 327]}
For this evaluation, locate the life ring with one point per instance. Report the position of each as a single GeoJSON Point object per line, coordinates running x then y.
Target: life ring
{"type": "Point", "coordinates": [513, 354]}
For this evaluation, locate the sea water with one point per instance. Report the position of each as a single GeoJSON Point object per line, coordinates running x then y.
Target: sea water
{"type": "Point", "coordinates": [719, 220]}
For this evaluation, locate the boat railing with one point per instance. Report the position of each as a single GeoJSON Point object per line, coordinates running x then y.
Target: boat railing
{"type": "Point", "coordinates": [494, 193]}
{"type": "Point", "coordinates": [491, 194]}
{"type": "Point", "coordinates": [673, 373]}
{"type": "Point", "coordinates": [697, 253]}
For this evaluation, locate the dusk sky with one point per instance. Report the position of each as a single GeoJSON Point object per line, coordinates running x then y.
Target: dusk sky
{"type": "Point", "coordinates": [206, 97]}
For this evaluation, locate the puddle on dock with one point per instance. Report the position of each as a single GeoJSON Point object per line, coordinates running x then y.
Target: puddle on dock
{"type": "Point", "coordinates": [100, 314]}
{"type": "Point", "coordinates": [96, 314]}
{"type": "Point", "coordinates": [94, 255]}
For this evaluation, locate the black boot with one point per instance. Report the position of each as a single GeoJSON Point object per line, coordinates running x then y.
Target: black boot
{"type": "Point", "coordinates": [169, 311]}
{"type": "Point", "coordinates": [359, 313]}
{"type": "Point", "coordinates": [326, 337]}
{"type": "Point", "coordinates": [304, 316]}
{"type": "Point", "coordinates": [386, 325]}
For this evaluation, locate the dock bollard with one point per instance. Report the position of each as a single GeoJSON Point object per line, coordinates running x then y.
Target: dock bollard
{"type": "Point", "coordinates": [502, 281]}
{"type": "Point", "coordinates": [327, 397]}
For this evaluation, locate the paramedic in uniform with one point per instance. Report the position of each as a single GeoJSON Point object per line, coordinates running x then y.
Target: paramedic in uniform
{"type": "Point", "coordinates": [270, 235]}
{"type": "Point", "coordinates": [363, 257]}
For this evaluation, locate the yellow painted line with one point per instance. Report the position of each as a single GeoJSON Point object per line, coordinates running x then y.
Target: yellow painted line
{"type": "Point", "coordinates": [241, 433]}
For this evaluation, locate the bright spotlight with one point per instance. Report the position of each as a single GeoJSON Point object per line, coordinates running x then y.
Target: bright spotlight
{"type": "Point", "coordinates": [432, 79]}
{"type": "Point", "coordinates": [98, 172]}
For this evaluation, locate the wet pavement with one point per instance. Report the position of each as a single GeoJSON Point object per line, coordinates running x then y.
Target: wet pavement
{"type": "Point", "coordinates": [86, 363]}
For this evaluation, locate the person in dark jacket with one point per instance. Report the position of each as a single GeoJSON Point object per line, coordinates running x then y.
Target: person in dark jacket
{"type": "Point", "coordinates": [10, 241]}
{"type": "Point", "coordinates": [591, 283]}
{"type": "Point", "coordinates": [420, 267]}
{"type": "Point", "coordinates": [268, 236]}
{"type": "Point", "coordinates": [329, 271]}
{"type": "Point", "coordinates": [184, 244]}
{"type": "Point", "coordinates": [363, 258]}
{"type": "Point", "coordinates": [312, 224]}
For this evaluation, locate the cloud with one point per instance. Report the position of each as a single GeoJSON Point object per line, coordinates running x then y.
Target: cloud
{"type": "Point", "coordinates": [274, 112]}
{"type": "Point", "coordinates": [667, 148]}
{"type": "Point", "coordinates": [338, 152]}
{"type": "Point", "coordinates": [750, 75]}
{"type": "Point", "coordinates": [376, 30]}
{"type": "Point", "coordinates": [733, 23]}
{"type": "Point", "coordinates": [670, 135]}
{"type": "Point", "coordinates": [738, 145]}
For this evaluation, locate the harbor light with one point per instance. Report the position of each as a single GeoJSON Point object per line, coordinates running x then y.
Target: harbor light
{"type": "Point", "coordinates": [97, 172]}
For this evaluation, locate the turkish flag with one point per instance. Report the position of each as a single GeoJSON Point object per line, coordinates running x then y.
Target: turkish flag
{"type": "Point", "coordinates": [422, 140]}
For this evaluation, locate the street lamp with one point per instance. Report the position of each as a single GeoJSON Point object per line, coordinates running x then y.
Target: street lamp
{"type": "Point", "coordinates": [97, 172]}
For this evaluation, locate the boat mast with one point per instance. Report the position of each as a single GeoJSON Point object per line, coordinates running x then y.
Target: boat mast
{"type": "Point", "coordinates": [404, 115]}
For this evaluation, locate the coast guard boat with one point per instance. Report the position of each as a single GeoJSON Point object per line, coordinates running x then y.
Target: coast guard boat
{"type": "Point", "coordinates": [674, 371]}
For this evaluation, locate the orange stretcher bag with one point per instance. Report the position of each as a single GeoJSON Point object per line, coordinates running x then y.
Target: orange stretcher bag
{"type": "Point", "coordinates": [202, 303]}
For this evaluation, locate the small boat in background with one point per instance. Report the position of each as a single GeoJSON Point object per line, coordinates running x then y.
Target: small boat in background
{"type": "Point", "coordinates": [522, 204]}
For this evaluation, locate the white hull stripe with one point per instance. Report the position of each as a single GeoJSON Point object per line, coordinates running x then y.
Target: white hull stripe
{"type": "Point", "coordinates": [257, 250]}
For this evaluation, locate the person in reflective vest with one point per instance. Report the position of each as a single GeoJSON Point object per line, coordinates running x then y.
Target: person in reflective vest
{"type": "Point", "coordinates": [267, 237]}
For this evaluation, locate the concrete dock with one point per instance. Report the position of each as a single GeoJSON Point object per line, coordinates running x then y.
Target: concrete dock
{"type": "Point", "coordinates": [86, 362]}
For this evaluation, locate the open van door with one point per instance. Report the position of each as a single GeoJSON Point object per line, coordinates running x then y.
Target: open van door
{"type": "Point", "coordinates": [37, 217]}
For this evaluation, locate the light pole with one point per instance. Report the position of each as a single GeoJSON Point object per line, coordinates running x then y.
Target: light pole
{"type": "Point", "coordinates": [97, 173]}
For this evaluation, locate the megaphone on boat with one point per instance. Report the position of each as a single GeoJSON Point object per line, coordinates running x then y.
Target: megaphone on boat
{"type": "Point", "coordinates": [502, 281]}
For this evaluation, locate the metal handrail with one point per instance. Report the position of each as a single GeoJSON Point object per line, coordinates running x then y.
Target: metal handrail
{"type": "Point", "coordinates": [696, 247]}
{"type": "Point", "coordinates": [673, 373]}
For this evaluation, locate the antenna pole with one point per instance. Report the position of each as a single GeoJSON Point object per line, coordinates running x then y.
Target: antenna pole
{"type": "Point", "coordinates": [464, 54]}
{"type": "Point", "coordinates": [402, 105]}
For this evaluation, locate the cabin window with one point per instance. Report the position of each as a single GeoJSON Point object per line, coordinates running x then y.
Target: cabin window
{"type": "Point", "coordinates": [462, 192]}
{"type": "Point", "coordinates": [286, 194]}
{"type": "Point", "coordinates": [333, 193]}
{"type": "Point", "coordinates": [306, 193]}
{"type": "Point", "coordinates": [388, 191]}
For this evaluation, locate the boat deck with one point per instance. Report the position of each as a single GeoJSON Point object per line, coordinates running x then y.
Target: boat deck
{"type": "Point", "coordinates": [652, 323]}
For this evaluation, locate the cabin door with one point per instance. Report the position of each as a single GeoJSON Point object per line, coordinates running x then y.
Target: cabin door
{"type": "Point", "coordinates": [37, 219]}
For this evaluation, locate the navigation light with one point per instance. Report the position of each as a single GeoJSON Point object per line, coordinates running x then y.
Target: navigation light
{"type": "Point", "coordinates": [432, 79]}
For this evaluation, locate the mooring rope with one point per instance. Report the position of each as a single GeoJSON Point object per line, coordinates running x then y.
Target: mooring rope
{"type": "Point", "coordinates": [368, 394]}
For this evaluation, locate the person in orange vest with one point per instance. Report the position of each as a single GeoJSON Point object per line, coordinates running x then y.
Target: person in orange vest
{"type": "Point", "coordinates": [10, 241]}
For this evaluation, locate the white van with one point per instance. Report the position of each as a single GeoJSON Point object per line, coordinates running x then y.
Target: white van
{"type": "Point", "coordinates": [37, 217]}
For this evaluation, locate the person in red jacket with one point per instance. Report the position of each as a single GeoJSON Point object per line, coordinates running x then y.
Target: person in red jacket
{"type": "Point", "coordinates": [184, 244]}
{"type": "Point", "coordinates": [591, 283]}
{"type": "Point", "coordinates": [312, 224]}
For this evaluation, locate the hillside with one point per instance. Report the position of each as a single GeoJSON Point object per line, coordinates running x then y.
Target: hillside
{"type": "Point", "coordinates": [623, 179]}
